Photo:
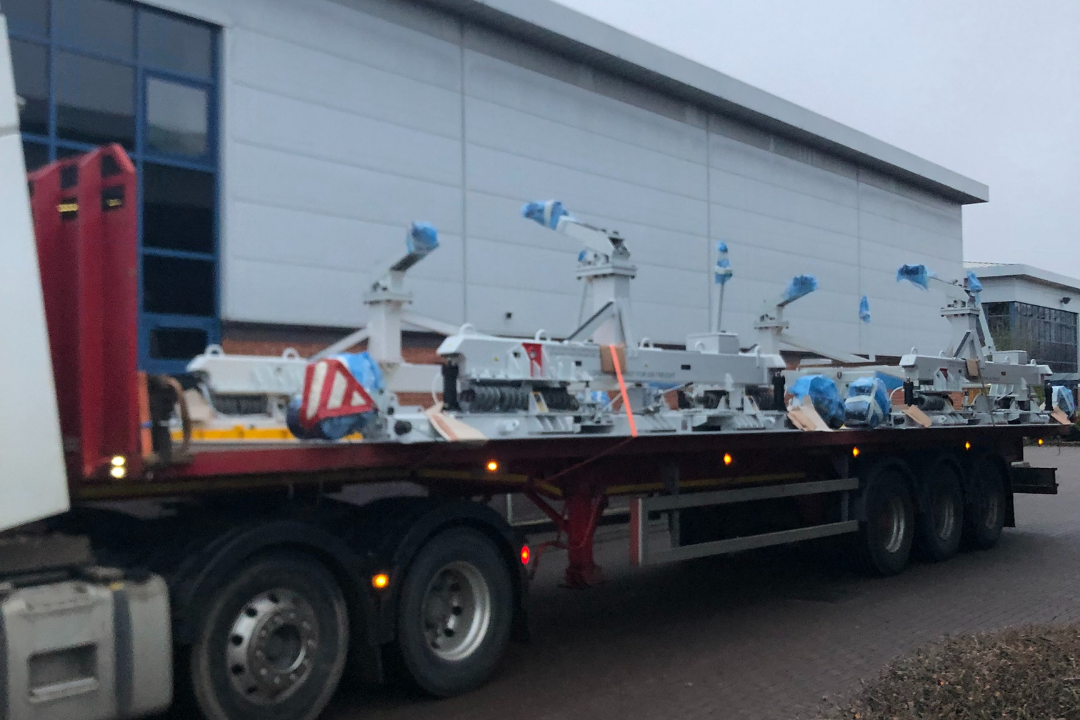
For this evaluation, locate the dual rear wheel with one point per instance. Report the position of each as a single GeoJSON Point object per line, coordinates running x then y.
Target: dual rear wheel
{"type": "Point", "coordinates": [936, 527]}
{"type": "Point", "coordinates": [273, 641]}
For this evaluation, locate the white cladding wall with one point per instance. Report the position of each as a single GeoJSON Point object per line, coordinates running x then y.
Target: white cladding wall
{"type": "Point", "coordinates": [346, 120]}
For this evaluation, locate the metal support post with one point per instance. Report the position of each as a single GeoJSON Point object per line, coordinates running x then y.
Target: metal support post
{"type": "Point", "coordinates": [669, 475]}
{"type": "Point", "coordinates": [583, 511]}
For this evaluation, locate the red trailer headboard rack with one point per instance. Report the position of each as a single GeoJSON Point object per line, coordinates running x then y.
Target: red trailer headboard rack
{"type": "Point", "coordinates": [85, 219]}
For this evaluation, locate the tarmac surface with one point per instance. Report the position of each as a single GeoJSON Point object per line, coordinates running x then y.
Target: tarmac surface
{"type": "Point", "coordinates": [769, 634]}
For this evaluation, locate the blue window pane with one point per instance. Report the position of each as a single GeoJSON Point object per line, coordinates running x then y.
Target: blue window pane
{"type": "Point", "coordinates": [95, 100]}
{"type": "Point", "coordinates": [178, 208]}
{"type": "Point", "coordinates": [31, 63]}
{"type": "Point", "coordinates": [173, 44]}
{"type": "Point", "coordinates": [104, 26]}
{"type": "Point", "coordinates": [35, 154]}
{"type": "Point", "coordinates": [178, 286]}
{"type": "Point", "coordinates": [30, 16]}
{"type": "Point", "coordinates": [167, 343]}
{"type": "Point", "coordinates": [63, 152]}
{"type": "Point", "coordinates": [176, 116]}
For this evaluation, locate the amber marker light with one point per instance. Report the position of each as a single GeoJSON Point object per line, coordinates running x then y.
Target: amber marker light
{"type": "Point", "coordinates": [493, 466]}
{"type": "Point", "coordinates": [967, 446]}
{"type": "Point", "coordinates": [854, 452]}
{"type": "Point", "coordinates": [380, 581]}
{"type": "Point", "coordinates": [1040, 441]}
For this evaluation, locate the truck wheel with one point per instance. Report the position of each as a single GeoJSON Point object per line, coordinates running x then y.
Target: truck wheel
{"type": "Point", "coordinates": [273, 642]}
{"type": "Point", "coordinates": [986, 505]}
{"type": "Point", "coordinates": [885, 538]}
{"type": "Point", "coordinates": [939, 525]}
{"type": "Point", "coordinates": [455, 612]}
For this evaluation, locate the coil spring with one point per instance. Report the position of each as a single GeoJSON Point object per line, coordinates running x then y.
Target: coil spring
{"type": "Point", "coordinates": [559, 399]}
{"type": "Point", "coordinates": [509, 398]}
{"type": "Point", "coordinates": [495, 398]}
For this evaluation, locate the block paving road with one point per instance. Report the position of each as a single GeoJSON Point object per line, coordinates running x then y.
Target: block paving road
{"type": "Point", "coordinates": [764, 635]}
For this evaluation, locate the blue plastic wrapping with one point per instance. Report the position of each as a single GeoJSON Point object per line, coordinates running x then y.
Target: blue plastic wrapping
{"type": "Point", "coordinates": [915, 274]}
{"type": "Point", "coordinates": [364, 368]}
{"type": "Point", "coordinates": [422, 238]}
{"type": "Point", "coordinates": [973, 284]}
{"type": "Point", "coordinates": [867, 403]}
{"type": "Point", "coordinates": [864, 309]}
{"type": "Point", "coordinates": [368, 373]}
{"type": "Point", "coordinates": [823, 395]}
{"type": "Point", "coordinates": [1063, 400]}
{"type": "Point", "coordinates": [723, 267]}
{"type": "Point", "coordinates": [800, 286]}
{"type": "Point", "coordinates": [329, 429]}
{"type": "Point", "coordinates": [547, 213]}
{"type": "Point", "coordinates": [600, 397]}
{"type": "Point", "coordinates": [891, 382]}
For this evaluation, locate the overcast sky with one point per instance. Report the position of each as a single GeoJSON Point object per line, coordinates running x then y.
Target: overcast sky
{"type": "Point", "coordinates": [988, 88]}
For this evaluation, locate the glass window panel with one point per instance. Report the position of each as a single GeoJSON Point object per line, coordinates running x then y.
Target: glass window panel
{"type": "Point", "coordinates": [63, 152]}
{"type": "Point", "coordinates": [178, 208]}
{"type": "Point", "coordinates": [31, 63]}
{"type": "Point", "coordinates": [95, 100]}
{"type": "Point", "coordinates": [103, 26]}
{"type": "Point", "coordinates": [177, 343]}
{"type": "Point", "coordinates": [176, 117]}
{"type": "Point", "coordinates": [174, 44]}
{"type": "Point", "coordinates": [27, 15]}
{"type": "Point", "coordinates": [36, 155]}
{"type": "Point", "coordinates": [178, 286]}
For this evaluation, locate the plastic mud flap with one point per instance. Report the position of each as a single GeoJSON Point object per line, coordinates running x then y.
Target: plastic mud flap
{"type": "Point", "coordinates": [1033, 480]}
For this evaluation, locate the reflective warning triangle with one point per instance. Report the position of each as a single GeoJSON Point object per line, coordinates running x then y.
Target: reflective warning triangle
{"type": "Point", "coordinates": [330, 390]}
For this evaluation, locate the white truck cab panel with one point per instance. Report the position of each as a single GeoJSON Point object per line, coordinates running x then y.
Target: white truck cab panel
{"type": "Point", "coordinates": [33, 480]}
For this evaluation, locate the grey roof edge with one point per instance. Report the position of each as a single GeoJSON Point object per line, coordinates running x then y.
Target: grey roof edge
{"type": "Point", "coordinates": [560, 28]}
{"type": "Point", "coordinates": [1003, 270]}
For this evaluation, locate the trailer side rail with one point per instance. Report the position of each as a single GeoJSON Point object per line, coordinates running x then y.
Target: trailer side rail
{"type": "Point", "coordinates": [642, 554]}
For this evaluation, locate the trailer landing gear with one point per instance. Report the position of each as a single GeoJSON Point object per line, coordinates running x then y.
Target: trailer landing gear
{"type": "Point", "coordinates": [579, 521]}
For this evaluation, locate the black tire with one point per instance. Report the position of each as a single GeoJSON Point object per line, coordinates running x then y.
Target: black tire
{"type": "Point", "coordinates": [985, 512]}
{"type": "Point", "coordinates": [885, 538]}
{"type": "Point", "coordinates": [265, 606]}
{"type": "Point", "coordinates": [445, 643]}
{"type": "Point", "coordinates": [940, 522]}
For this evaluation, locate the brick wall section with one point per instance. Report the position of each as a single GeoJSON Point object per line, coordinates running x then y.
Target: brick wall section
{"type": "Point", "coordinates": [418, 348]}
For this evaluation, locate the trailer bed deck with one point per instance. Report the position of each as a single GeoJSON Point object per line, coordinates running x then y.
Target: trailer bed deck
{"type": "Point", "coordinates": [551, 465]}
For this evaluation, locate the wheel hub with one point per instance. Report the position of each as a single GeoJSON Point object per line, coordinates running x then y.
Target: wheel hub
{"type": "Point", "coordinates": [945, 512]}
{"type": "Point", "coordinates": [892, 523]}
{"type": "Point", "coordinates": [456, 611]}
{"type": "Point", "coordinates": [270, 646]}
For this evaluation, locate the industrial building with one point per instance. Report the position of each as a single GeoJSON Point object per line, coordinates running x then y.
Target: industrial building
{"type": "Point", "coordinates": [1032, 309]}
{"type": "Point", "coordinates": [284, 147]}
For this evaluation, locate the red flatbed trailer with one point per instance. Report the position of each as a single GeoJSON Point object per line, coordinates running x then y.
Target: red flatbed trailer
{"type": "Point", "coordinates": [232, 513]}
